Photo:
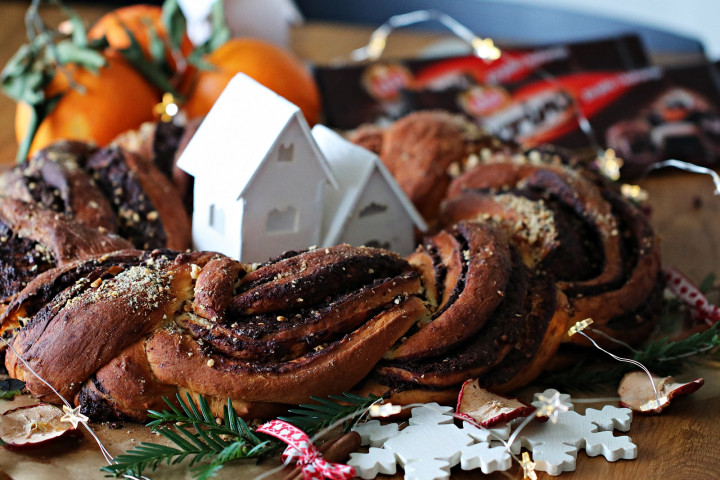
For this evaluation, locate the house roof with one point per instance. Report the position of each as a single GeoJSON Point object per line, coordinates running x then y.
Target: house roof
{"type": "Point", "coordinates": [353, 167]}
{"type": "Point", "coordinates": [247, 121]}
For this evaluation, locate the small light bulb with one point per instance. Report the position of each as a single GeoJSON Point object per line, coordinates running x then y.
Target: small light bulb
{"type": "Point", "coordinates": [528, 467]}
{"type": "Point", "coordinates": [654, 404]}
{"type": "Point", "coordinates": [384, 410]}
{"type": "Point", "coordinates": [609, 164]}
{"type": "Point", "coordinates": [580, 326]}
{"type": "Point", "coordinates": [73, 416]}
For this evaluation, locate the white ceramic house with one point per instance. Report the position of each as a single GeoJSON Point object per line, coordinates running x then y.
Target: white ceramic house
{"type": "Point", "coordinates": [368, 208]}
{"type": "Point", "coordinates": [259, 176]}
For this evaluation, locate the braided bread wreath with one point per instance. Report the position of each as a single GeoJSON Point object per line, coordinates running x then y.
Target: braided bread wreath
{"type": "Point", "coordinates": [522, 249]}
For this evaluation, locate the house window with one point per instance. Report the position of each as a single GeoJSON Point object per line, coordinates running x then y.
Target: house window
{"type": "Point", "coordinates": [217, 219]}
{"type": "Point", "coordinates": [372, 209]}
{"type": "Point", "coordinates": [285, 152]}
{"type": "Point", "coordinates": [282, 221]}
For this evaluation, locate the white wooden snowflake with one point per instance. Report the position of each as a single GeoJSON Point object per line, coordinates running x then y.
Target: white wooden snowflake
{"type": "Point", "coordinates": [555, 445]}
{"type": "Point", "coordinates": [429, 446]}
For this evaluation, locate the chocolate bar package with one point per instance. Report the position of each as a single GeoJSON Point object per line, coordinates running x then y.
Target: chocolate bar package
{"type": "Point", "coordinates": [646, 115]}
{"type": "Point", "coordinates": [386, 90]}
{"type": "Point", "coordinates": [679, 118]}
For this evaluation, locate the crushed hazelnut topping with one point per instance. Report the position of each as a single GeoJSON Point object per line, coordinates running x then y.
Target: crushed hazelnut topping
{"type": "Point", "coordinates": [210, 363]}
{"type": "Point", "coordinates": [195, 271]}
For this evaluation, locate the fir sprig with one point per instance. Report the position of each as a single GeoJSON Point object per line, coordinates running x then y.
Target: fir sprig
{"type": "Point", "coordinates": [197, 436]}
{"type": "Point", "coordinates": [312, 417]}
{"type": "Point", "coordinates": [663, 357]}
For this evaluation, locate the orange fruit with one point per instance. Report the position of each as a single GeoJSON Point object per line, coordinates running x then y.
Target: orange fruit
{"type": "Point", "coordinates": [270, 65]}
{"type": "Point", "coordinates": [139, 19]}
{"type": "Point", "coordinates": [114, 100]}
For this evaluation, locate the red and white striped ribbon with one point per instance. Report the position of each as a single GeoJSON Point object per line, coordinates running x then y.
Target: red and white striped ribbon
{"type": "Point", "coordinates": [301, 449]}
{"type": "Point", "coordinates": [700, 308]}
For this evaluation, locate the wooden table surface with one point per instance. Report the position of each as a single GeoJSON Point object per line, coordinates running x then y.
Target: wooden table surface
{"type": "Point", "coordinates": [682, 443]}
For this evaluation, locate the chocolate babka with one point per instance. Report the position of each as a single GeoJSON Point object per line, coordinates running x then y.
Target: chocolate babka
{"type": "Point", "coordinates": [118, 332]}
{"type": "Point", "coordinates": [35, 239]}
{"type": "Point", "coordinates": [424, 150]}
{"type": "Point", "coordinates": [162, 143]}
{"type": "Point", "coordinates": [493, 318]}
{"type": "Point", "coordinates": [596, 244]}
{"type": "Point", "coordinates": [55, 178]}
{"type": "Point", "coordinates": [524, 246]}
{"type": "Point", "coordinates": [110, 188]}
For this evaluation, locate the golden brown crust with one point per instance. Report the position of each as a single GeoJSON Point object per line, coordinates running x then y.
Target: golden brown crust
{"type": "Point", "coordinates": [299, 280]}
{"type": "Point", "coordinates": [34, 239]}
{"type": "Point", "coordinates": [335, 368]}
{"type": "Point", "coordinates": [418, 150]}
{"type": "Point", "coordinates": [119, 331]}
{"type": "Point", "coordinates": [626, 249]}
{"type": "Point", "coordinates": [477, 265]}
{"type": "Point", "coordinates": [368, 136]}
{"type": "Point", "coordinates": [54, 178]}
{"type": "Point", "coordinates": [518, 335]}
{"type": "Point", "coordinates": [214, 287]}
{"type": "Point", "coordinates": [66, 239]}
{"type": "Point", "coordinates": [166, 200]}
{"type": "Point", "coordinates": [528, 222]}
{"type": "Point", "coordinates": [563, 183]}
{"type": "Point", "coordinates": [93, 320]}
{"type": "Point", "coordinates": [124, 388]}
{"type": "Point", "coordinates": [322, 324]}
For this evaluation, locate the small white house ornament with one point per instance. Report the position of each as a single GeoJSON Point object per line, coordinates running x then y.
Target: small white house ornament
{"type": "Point", "coordinates": [369, 207]}
{"type": "Point", "coordinates": [263, 185]}
{"type": "Point", "coordinates": [259, 175]}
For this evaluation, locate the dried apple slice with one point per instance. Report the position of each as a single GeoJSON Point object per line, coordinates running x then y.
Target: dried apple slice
{"type": "Point", "coordinates": [32, 426]}
{"type": "Point", "coordinates": [637, 393]}
{"type": "Point", "coordinates": [487, 408]}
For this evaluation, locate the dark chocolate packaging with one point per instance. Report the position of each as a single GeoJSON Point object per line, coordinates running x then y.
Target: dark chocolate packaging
{"type": "Point", "coordinates": [388, 89]}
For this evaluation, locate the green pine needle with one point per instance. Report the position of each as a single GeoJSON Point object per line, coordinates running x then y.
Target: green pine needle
{"type": "Point", "coordinates": [312, 417]}
{"type": "Point", "coordinates": [198, 437]}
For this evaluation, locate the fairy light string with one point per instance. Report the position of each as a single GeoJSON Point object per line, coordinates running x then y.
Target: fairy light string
{"type": "Point", "coordinates": [485, 49]}
{"type": "Point", "coordinates": [652, 404]}
{"type": "Point", "coordinates": [688, 167]}
{"type": "Point", "coordinates": [482, 47]}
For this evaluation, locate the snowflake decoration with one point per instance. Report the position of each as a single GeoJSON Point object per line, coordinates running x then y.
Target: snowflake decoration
{"type": "Point", "coordinates": [429, 446]}
{"type": "Point", "coordinates": [555, 445]}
